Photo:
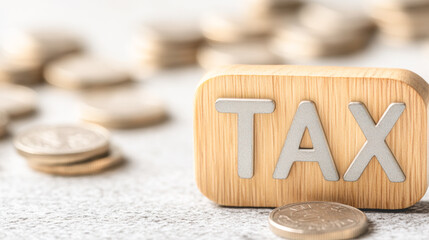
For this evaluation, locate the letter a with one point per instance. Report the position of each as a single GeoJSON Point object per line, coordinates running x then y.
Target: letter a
{"type": "Point", "coordinates": [306, 117]}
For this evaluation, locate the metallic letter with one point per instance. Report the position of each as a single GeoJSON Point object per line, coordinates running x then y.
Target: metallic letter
{"type": "Point", "coordinates": [375, 144]}
{"type": "Point", "coordinates": [246, 109]}
{"type": "Point", "coordinates": [306, 117]}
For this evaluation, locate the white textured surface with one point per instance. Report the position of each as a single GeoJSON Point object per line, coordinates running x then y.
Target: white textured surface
{"type": "Point", "coordinates": [154, 195]}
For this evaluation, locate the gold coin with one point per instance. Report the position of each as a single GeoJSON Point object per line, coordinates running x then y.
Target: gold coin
{"type": "Point", "coordinates": [124, 107]}
{"type": "Point", "coordinates": [78, 71]}
{"type": "Point", "coordinates": [20, 72]}
{"type": "Point", "coordinates": [17, 100]}
{"type": "Point", "coordinates": [318, 220]}
{"type": "Point", "coordinates": [60, 144]}
{"type": "Point", "coordinates": [251, 52]}
{"type": "Point", "coordinates": [40, 46]}
{"type": "Point", "coordinates": [91, 166]}
{"type": "Point", "coordinates": [4, 120]}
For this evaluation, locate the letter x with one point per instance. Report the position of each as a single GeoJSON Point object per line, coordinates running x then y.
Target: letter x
{"type": "Point", "coordinates": [375, 144]}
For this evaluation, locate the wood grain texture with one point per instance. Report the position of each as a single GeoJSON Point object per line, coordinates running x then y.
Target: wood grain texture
{"type": "Point", "coordinates": [331, 89]}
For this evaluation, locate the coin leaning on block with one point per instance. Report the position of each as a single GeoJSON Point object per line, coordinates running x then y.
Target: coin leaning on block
{"type": "Point", "coordinates": [91, 166]}
{"type": "Point", "coordinates": [60, 144]}
{"type": "Point", "coordinates": [318, 220]}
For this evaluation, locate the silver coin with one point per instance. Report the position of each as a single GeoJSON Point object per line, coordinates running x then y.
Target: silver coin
{"type": "Point", "coordinates": [318, 220]}
{"type": "Point", "coordinates": [62, 143]}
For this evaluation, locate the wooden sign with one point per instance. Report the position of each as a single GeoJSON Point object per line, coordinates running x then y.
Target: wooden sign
{"type": "Point", "coordinates": [266, 136]}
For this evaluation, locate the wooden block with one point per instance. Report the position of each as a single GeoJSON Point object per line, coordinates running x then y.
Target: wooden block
{"type": "Point", "coordinates": [331, 90]}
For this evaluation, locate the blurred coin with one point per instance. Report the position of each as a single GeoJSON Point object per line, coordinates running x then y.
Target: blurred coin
{"type": "Point", "coordinates": [270, 8]}
{"type": "Point", "coordinates": [60, 144]}
{"type": "Point", "coordinates": [20, 73]}
{"type": "Point", "coordinates": [295, 41]}
{"type": "Point", "coordinates": [4, 120]}
{"type": "Point", "coordinates": [318, 220]}
{"type": "Point", "coordinates": [254, 52]}
{"type": "Point", "coordinates": [17, 100]}
{"type": "Point", "coordinates": [124, 107]}
{"type": "Point", "coordinates": [79, 71]}
{"type": "Point", "coordinates": [154, 61]}
{"type": "Point", "coordinates": [90, 166]}
{"type": "Point", "coordinates": [169, 33]}
{"type": "Point", "coordinates": [334, 19]}
{"type": "Point", "coordinates": [40, 46]}
{"type": "Point", "coordinates": [233, 28]}
{"type": "Point", "coordinates": [400, 4]}
{"type": "Point", "coordinates": [402, 20]}
{"type": "Point", "coordinates": [166, 44]}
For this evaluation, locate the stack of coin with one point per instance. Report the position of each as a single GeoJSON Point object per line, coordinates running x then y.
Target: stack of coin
{"type": "Point", "coordinates": [322, 31]}
{"type": "Point", "coordinates": [17, 101]}
{"type": "Point", "coordinates": [122, 107]}
{"type": "Point", "coordinates": [318, 220]}
{"type": "Point", "coordinates": [402, 20]}
{"type": "Point", "coordinates": [81, 72]}
{"type": "Point", "coordinates": [68, 150]}
{"type": "Point", "coordinates": [214, 55]}
{"type": "Point", "coordinates": [4, 121]}
{"type": "Point", "coordinates": [164, 45]}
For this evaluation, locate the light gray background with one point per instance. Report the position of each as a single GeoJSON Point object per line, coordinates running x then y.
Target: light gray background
{"type": "Point", "coordinates": [154, 195]}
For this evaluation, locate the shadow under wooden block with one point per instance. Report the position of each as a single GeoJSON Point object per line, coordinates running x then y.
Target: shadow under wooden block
{"type": "Point", "coordinates": [331, 89]}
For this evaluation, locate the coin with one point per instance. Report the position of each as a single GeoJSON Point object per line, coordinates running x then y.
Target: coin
{"type": "Point", "coordinates": [124, 107]}
{"type": "Point", "coordinates": [329, 19]}
{"type": "Point", "coordinates": [251, 52]}
{"type": "Point", "coordinates": [59, 144]}
{"type": "Point", "coordinates": [80, 71]}
{"type": "Point", "coordinates": [167, 33]}
{"type": "Point", "coordinates": [402, 20]}
{"type": "Point", "coordinates": [270, 8]}
{"type": "Point", "coordinates": [163, 44]}
{"type": "Point", "coordinates": [90, 166]}
{"type": "Point", "coordinates": [318, 220]}
{"type": "Point", "coordinates": [296, 41]}
{"type": "Point", "coordinates": [224, 28]}
{"type": "Point", "coordinates": [17, 100]}
{"type": "Point", "coordinates": [4, 120]}
{"type": "Point", "coordinates": [20, 72]}
{"type": "Point", "coordinates": [40, 45]}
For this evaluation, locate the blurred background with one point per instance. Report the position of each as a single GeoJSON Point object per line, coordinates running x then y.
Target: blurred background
{"type": "Point", "coordinates": [63, 50]}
